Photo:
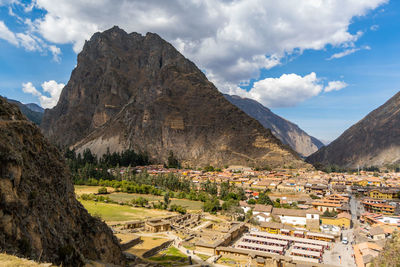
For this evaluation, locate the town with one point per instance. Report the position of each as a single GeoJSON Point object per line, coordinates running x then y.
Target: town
{"type": "Point", "coordinates": [285, 217]}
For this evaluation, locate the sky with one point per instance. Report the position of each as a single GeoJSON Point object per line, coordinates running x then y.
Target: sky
{"type": "Point", "coordinates": [322, 64]}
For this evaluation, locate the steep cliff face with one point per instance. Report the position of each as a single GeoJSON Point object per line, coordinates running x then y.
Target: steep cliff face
{"type": "Point", "coordinates": [288, 132]}
{"type": "Point", "coordinates": [373, 141]}
{"type": "Point", "coordinates": [139, 92]}
{"type": "Point", "coordinates": [39, 215]}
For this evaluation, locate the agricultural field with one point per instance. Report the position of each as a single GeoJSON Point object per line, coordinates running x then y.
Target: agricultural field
{"type": "Point", "coordinates": [125, 197]}
{"type": "Point", "coordinates": [86, 189]}
{"type": "Point", "coordinates": [170, 257]}
{"type": "Point", "coordinates": [118, 213]}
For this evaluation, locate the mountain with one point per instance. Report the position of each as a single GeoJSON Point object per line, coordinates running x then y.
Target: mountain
{"type": "Point", "coordinates": [35, 107]}
{"type": "Point", "coordinates": [32, 111]}
{"type": "Point", "coordinates": [139, 92]}
{"type": "Point", "coordinates": [40, 217]}
{"type": "Point", "coordinates": [288, 132]}
{"type": "Point", "coordinates": [373, 141]}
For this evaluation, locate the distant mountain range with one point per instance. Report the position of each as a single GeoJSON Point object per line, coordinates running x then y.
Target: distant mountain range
{"type": "Point", "coordinates": [373, 141]}
{"type": "Point", "coordinates": [32, 111]}
{"type": "Point", "coordinates": [288, 132]}
{"type": "Point", "coordinates": [130, 91]}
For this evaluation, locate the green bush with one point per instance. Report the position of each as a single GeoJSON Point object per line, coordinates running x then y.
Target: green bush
{"type": "Point", "coordinates": [102, 190]}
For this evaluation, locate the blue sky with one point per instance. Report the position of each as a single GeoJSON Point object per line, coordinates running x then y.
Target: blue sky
{"type": "Point", "coordinates": [40, 43]}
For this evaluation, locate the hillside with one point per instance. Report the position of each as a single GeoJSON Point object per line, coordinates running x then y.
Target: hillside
{"type": "Point", "coordinates": [39, 215]}
{"type": "Point", "coordinates": [139, 92]}
{"type": "Point", "coordinates": [373, 141]}
{"type": "Point", "coordinates": [32, 111]}
{"type": "Point", "coordinates": [288, 132]}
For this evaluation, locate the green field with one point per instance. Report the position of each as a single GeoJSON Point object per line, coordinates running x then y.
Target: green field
{"type": "Point", "coordinates": [117, 213]}
{"type": "Point", "coordinates": [125, 197]}
{"type": "Point", "coordinates": [170, 257]}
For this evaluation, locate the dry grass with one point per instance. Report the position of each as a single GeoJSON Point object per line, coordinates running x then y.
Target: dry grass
{"type": "Point", "coordinates": [86, 189]}
{"type": "Point", "coordinates": [13, 261]}
{"type": "Point", "coordinates": [149, 242]}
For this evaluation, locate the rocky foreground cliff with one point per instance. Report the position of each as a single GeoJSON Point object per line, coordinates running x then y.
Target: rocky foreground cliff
{"type": "Point", "coordinates": [288, 132]}
{"type": "Point", "coordinates": [373, 141]}
{"type": "Point", "coordinates": [138, 92]}
{"type": "Point", "coordinates": [39, 215]}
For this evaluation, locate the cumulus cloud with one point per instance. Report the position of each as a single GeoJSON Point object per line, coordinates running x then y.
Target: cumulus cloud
{"type": "Point", "coordinates": [335, 86]}
{"type": "Point", "coordinates": [287, 90]}
{"type": "Point", "coordinates": [230, 40]}
{"type": "Point", "coordinates": [30, 89]}
{"type": "Point", "coordinates": [52, 88]}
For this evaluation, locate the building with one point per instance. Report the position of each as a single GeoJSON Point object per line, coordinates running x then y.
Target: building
{"type": "Point", "coordinates": [157, 225]}
{"type": "Point", "coordinates": [383, 193]}
{"type": "Point", "coordinates": [276, 228]}
{"type": "Point", "coordinates": [296, 217]}
{"type": "Point", "coordinates": [378, 206]}
{"type": "Point", "coordinates": [262, 209]}
{"type": "Point", "coordinates": [326, 205]}
{"type": "Point", "coordinates": [377, 233]}
{"type": "Point", "coordinates": [342, 220]}
{"type": "Point", "coordinates": [365, 252]}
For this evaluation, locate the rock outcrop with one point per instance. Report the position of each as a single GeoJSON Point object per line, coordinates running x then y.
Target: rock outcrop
{"type": "Point", "coordinates": [373, 141]}
{"type": "Point", "coordinates": [288, 132]}
{"type": "Point", "coordinates": [139, 92]}
{"type": "Point", "coordinates": [40, 217]}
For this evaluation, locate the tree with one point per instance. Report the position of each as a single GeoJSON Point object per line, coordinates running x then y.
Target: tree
{"type": "Point", "coordinates": [211, 205]}
{"type": "Point", "coordinates": [166, 200]}
{"type": "Point", "coordinates": [251, 201]}
{"type": "Point", "coordinates": [263, 198]}
{"type": "Point", "coordinates": [172, 161]}
{"type": "Point", "coordinates": [102, 190]}
{"type": "Point", "coordinates": [328, 213]}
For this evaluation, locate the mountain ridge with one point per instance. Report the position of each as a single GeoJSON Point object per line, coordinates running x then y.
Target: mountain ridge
{"type": "Point", "coordinates": [32, 111]}
{"type": "Point", "coordinates": [288, 132]}
{"type": "Point", "coordinates": [373, 141]}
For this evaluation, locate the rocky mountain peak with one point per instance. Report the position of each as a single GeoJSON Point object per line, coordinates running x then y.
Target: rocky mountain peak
{"type": "Point", "coordinates": [139, 92]}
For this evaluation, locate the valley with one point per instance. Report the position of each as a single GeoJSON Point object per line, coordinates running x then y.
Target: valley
{"type": "Point", "coordinates": [166, 149]}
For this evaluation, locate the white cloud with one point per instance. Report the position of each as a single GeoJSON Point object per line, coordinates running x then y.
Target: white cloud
{"type": "Point", "coordinates": [348, 52]}
{"type": "Point", "coordinates": [335, 86]}
{"type": "Point", "coordinates": [52, 88]}
{"type": "Point", "coordinates": [230, 40]}
{"type": "Point", "coordinates": [374, 27]}
{"type": "Point", "coordinates": [344, 53]}
{"type": "Point", "coordinates": [287, 90]}
{"type": "Point", "coordinates": [30, 89]}
{"type": "Point", "coordinates": [28, 40]}
{"type": "Point", "coordinates": [7, 35]}
{"type": "Point", "coordinates": [56, 53]}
